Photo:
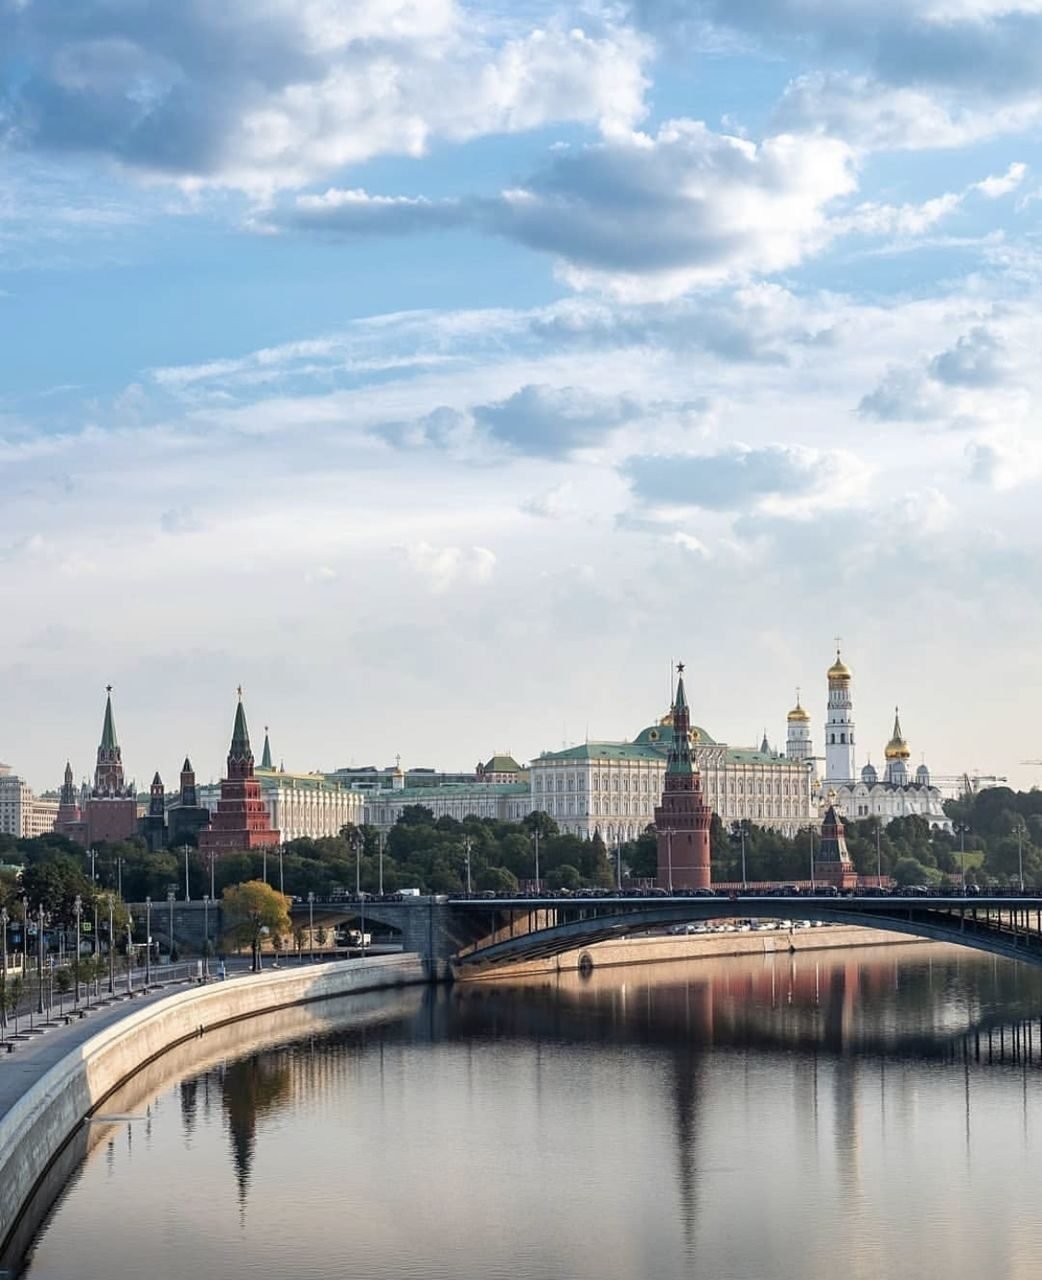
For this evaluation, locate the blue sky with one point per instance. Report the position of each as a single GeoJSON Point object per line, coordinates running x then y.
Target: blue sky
{"type": "Point", "coordinates": [441, 370]}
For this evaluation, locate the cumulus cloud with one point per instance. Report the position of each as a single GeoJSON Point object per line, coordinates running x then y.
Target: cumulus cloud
{"type": "Point", "coordinates": [553, 421]}
{"type": "Point", "coordinates": [912, 73]}
{"type": "Point", "coordinates": [922, 392]}
{"type": "Point", "coordinates": [441, 568]}
{"type": "Point", "coordinates": [264, 96]}
{"type": "Point", "coordinates": [735, 478]}
{"type": "Point", "coordinates": [644, 216]}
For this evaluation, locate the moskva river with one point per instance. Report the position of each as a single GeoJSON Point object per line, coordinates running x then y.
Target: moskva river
{"type": "Point", "coordinates": [860, 1114]}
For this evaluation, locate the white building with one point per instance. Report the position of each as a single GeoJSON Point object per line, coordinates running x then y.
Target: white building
{"type": "Point", "coordinates": [840, 763]}
{"type": "Point", "coordinates": [300, 805]}
{"type": "Point", "coordinates": [613, 787]}
{"type": "Point", "coordinates": [898, 794]}
{"type": "Point", "coordinates": [23, 814]}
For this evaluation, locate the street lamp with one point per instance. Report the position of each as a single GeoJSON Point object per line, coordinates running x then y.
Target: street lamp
{"type": "Point", "coordinates": [39, 959]}
{"type": "Point", "coordinates": [669, 859]}
{"type": "Point", "coordinates": [535, 833]}
{"type": "Point", "coordinates": [962, 828]}
{"type": "Point", "coordinates": [3, 973]}
{"type": "Point", "coordinates": [130, 954]}
{"type": "Point", "coordinates": [206, 935]}
{"type": "Point", "coordinates": [77, 906]}
{"type": "Point", "coordinates": [148, 940]}
{"type": "Point", "coordinates": [879, 853]}
{"type": "Point", "coordinates": [1020, 851]}
{"type": "Point", "coordinates": [738, 836]}
{"type": "Point", "coordinates": [380, 841]}
{"type": "Point", "coordinates": [813, 882]}
{"type": "Point", "coordinates": [170, 903]}
{"type": "Point", "coordinates": [466, 856]}
{"type": "Point", "coordinates": [311, 923]}
{"type": "Point", "coordinates": [618, 866]}
{"type": "Point", "coordinates": [187, 893]}
{"type": "Point", "coordinates": [112, 951]}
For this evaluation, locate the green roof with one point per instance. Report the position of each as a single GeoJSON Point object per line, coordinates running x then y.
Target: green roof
{"type": "Point", "coordinates": [240, 734]}
{"type": "Point", "coordinates": [108, 729]}
{"type": "Point", "coordinates": [609, 751]}
{"type": "Point", "coordinates": [502, 764]}
{"type": "Point", "coordinates": [451, 790]}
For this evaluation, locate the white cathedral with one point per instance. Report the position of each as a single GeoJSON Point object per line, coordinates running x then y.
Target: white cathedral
{"type": "Point", "coordinates": [897, 795]}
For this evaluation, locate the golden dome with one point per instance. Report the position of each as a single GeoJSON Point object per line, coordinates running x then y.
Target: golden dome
{"type": "Point", "coordinates": [839, 669]}
{"type": "Point", "coordinates": [798, 714]}
{"type": "Point", "coordinates": [897, 748]}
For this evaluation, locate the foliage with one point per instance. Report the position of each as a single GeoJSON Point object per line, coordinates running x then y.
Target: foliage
{"type": "Point", "coordinates": [252, 910]}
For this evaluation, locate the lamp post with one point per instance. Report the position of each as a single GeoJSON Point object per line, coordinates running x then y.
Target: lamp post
{"type": "Point", "coordinates": [618, 866]}
{"type": "Point", "coordinates": [3, 973]}
{"type": "Point", "coordinates": [170, 903]}
{"type": "Point", "coordinates": [669, 859]}
{"type": "Point", "coordinates": [206, 935]}
{"type": "Point", "coordinates": [39, 959]}
{"type": "Point", "coordinates": [535, 833]}
{"type": "Point", "coordinates": [213, 895]}
{"type": "Point", "coordinates": [879, 854]}
{"type": "Point", "coordinates": [77, 906]}
{"type": "Point", "coordinates": [738, 836]}
{"type": "Point", "coordinates": [1020, 851]}
{"type": "Point", "coordinates": [466, 856]}
{"type": "Point", "coordinates": [813, 882]}
{"type": "Point", "coordinates": [282, 881]}
{"type": "Point", "coordinates": [112, 951]}
{"type": "Point", "coordinates": [380, 841]}
{"type": "Point", "coordinates": [130, 954]}
{"type": "Point", "coordinates": [148, 940]}
{"type": "Point", "coordinates": [90, 854]}
{"type": "Point", "coordinates": [311, 923]}
{"type": "Point", "coordinates": [962, 828]}
{"type": "Point", "coordinates": [119, 876]}
{"type": "Point", "coordinates": [264, 864]}
{"type": "Point", "coordinates": [187, 893]}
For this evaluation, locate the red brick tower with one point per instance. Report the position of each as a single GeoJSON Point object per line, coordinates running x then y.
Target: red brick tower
{"type": "Point", "coordinates": [683, 817]}
{"type": "Point", "coordinates": [241, 821]}
{"type": "Point", "coordinates": [833, 864]}
{"type": "Point", "coordinates": [110, 812]}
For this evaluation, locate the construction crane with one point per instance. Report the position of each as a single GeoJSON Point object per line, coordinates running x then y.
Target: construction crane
{"type": "Point", "coordinates": [969, 784]}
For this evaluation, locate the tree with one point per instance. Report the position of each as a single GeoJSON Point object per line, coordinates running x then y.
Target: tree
{"type": "Point", "coordinates": [498, 879]}
{"type": "Point", "coordinates": [252, 910]}
{"type": "Point", "coordinates": [541, 822]}
{"type": "Point", "coordinates": [564, 877]}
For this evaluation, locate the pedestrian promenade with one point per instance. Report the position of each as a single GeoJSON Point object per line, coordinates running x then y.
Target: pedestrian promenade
{"type": "Point", "coordinates": [33, 1058]}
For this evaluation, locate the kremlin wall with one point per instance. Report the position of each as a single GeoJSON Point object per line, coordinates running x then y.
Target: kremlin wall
{"type": "Point", "coordinates": [672, 773]}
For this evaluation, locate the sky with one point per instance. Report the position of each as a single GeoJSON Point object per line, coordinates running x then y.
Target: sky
{"type": "Point", "coordinates": [441, 372]}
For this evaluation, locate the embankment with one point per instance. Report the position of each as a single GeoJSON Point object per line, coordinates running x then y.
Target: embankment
{"type": "Point", "coordinates": [47, 1120]}
{"type": "Point", "coordinates": [660, 949]}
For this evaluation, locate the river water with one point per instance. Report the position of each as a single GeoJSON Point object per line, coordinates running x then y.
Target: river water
{"type": "Point", "coordinates": [822, 1115]}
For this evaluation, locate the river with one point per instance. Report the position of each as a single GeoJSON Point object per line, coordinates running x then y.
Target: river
{"type": "Point", "coordinates": [821, 1115]}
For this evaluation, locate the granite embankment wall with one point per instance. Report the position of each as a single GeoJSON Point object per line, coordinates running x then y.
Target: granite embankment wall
{"type": "Point", "coordinates": [51, 1112]}
{"type": "Point", "coordinates": [654, 950]}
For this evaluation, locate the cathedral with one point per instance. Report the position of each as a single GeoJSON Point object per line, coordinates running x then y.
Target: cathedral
{"type": "Point", "coordinates": [898, 794]}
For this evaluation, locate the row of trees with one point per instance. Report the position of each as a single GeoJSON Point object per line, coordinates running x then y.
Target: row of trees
{"type": "Point", "coordinates": [1002, 829]}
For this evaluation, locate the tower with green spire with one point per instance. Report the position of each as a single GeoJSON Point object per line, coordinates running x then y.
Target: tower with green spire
{"type": "Point", "coordinates": [266, 753]}
{"type": "Point", "coordinates": [108, 772]}
{"type": "Point", "coordinates": [110, 811]}
{"type": "Point", "coordinates": [682, 818]}
{"type": "Point", "coordinates": [241, 820]}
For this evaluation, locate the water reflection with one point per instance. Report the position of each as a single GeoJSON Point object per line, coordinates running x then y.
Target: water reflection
{"type": "Point", "coordinates": [782, 1116]}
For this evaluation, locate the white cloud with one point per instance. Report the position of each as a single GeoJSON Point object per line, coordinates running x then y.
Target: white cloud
{"type": "Point", "coordinates": [263, 97]}
{"type": "Point", "coordinates": [440, 568]}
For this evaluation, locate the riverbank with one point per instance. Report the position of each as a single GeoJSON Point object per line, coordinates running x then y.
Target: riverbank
{"type": "Point", "coordinates": [50, 1087]}
{"type": "Point", "coordinates": [669, 948]}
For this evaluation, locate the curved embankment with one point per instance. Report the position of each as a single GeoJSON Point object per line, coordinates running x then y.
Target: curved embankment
{"type": "Point", "coordinates": [48, 1119]}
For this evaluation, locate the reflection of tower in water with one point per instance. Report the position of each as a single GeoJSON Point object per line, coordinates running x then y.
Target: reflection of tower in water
{"type": "Point", "coordinates": [689, 1092]}
{"type": "Point", "coordinates": [250, 1088]}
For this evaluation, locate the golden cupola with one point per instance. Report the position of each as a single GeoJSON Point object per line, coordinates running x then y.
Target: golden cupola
{"type": "Point", "coordinates": [897, 747]}
{"type": "Point", "coordinates": [839, 672]}
{"type": "Point", "coordinates": [799, 714]}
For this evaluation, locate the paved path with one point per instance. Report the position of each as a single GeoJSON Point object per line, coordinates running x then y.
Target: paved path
{"type": "Point", "coordinates": [32, 1058]}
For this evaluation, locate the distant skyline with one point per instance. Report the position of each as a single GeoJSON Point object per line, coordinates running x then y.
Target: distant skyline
{"type": "Point", "coordinates": [441, 371]}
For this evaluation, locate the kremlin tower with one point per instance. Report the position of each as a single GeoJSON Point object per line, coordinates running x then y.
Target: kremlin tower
{"type": "Point", "coordinates": [683, 817]}
{"type": "Point", "coordinates": [839, 726]}
{"type": "Point", "coordinates": [241, 821]}
{"type": "Point", "coordinates": [833, 864]}
{"type": "Point", "coordinates": [109, 812]}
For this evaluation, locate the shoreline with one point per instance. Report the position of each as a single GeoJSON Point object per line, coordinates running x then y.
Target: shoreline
{"type": "Point", "coordinates": [664, 949]}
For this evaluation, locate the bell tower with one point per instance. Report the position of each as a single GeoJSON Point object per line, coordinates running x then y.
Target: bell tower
{"type": "Point", "coordinates": [839, 726]}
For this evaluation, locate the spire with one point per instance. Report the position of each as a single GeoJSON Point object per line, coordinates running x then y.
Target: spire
{"type": "Point", "coordinates": [765, 746]}
{"type": "Point", "coordinates": [68, 773]}
{"type": "Point", "coordinates": [157, 781]}
{"type": "Point", "coordinates": [680, 752]}
{"type": "Point", "coordinates": [240, 734]}
{"type": "Point", "coordinates": [187, 766]}
{"type": "Point", "coordinates": [897, 723]}
{"type": "Point", "coordinates": [108, 729]}
{"type": "Point", "coordinates": [266, 754]}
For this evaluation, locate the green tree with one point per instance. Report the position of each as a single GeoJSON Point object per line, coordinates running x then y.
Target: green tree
{"type": "Point", "coordinates": [252, 910]}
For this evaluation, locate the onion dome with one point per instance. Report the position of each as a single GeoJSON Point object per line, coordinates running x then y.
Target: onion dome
{"type": "Point", "coordinates": [897, 748]}
{"type": "Point", "coordinates": [839, 671]}
{"type": "Point", "coordinates": [798, 715]}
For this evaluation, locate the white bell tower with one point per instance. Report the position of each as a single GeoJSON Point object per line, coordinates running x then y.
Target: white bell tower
{"type": "Point", "coordinates": [839, 726]}
{"type": "Point", "coordinates": [798, 745]}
